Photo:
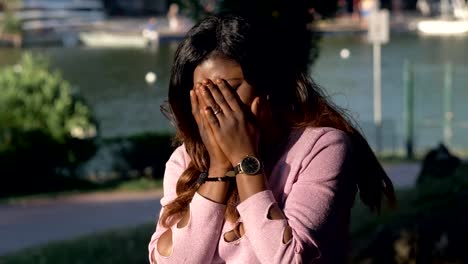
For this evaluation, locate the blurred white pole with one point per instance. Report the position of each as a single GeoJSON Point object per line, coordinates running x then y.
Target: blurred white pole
{"type": "Point", "coordinates": [378, 34]}
{"type": "Point", "coordinates": [377, 95]}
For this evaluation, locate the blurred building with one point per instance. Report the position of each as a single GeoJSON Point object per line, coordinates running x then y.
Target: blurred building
{"type": "Point", "coordinates": [112, 7]}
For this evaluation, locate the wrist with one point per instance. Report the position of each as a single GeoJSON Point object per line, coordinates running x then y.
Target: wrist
{"type": "Point", "coordinates": [218, 171]}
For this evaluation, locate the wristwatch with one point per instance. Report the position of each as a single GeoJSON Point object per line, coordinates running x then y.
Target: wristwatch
{"type": "Point", "coordinates": [249, 165]}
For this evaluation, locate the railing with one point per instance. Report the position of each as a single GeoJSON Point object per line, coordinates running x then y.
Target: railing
{"type": "Point", "coordinates": [435, 110]}
{"type": "Point", "coordinates": [439, 114]}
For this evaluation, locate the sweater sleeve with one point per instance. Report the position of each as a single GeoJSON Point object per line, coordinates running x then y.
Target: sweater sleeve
{"type": "Point", "coordinates": [192, 243]}
{"type": "Point", "coordinates": [307, 209]}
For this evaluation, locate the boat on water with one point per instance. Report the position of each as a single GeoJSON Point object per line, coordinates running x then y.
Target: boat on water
{"type": "Point", "coordinates": [453, 18]}
{"type": "Point", "coordinates": [116, 40]}
{"type": "Point", "coordinates": [443, 27]}
{"type": "Point", "coordinates": [121, 34]}
{"type": "Point", "coordinates": [133, 33]}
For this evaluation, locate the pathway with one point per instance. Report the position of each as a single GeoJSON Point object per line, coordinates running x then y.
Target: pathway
{"type": "Point", "coordinates": [403, 174]}
{"type": "Point", "coordinates": [40, 221]}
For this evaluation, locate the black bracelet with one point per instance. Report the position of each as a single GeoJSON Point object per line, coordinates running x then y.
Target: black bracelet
{"type": "Point", "coordinates": [204, 178]}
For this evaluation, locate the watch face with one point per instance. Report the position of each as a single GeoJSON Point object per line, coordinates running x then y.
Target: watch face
{"type": "Point", "coordinates": [250, 165]}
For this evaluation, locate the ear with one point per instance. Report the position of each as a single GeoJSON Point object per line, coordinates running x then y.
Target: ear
{"type": "Point", "coordinates": [256, 107]}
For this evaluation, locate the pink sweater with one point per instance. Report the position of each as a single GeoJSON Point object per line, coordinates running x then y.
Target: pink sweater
{"type": "Point", "coordinates": [310, 183]}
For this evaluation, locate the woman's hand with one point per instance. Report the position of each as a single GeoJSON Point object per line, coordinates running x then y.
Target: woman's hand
{"type": "Point", "coordinates": [232, 122]}
{"type": "Point", "coordinates": [219, 164]}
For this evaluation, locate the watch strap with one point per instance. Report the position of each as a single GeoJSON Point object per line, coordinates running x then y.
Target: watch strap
{"type": "Point", "coordinates": [237, 169]}
{"type": "Point", "coordinates": [204, 178]}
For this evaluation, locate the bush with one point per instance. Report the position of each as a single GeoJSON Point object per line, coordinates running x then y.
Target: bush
{"type": "Point", "coordinates": [44, 126]}
{"type": "Point", "coordinates": [10, 24]}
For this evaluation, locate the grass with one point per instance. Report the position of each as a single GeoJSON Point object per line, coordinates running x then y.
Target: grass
{"type": "Point", "coordinates": [127, 246]}
{"type": "Point", "coordinates": [141, 184]}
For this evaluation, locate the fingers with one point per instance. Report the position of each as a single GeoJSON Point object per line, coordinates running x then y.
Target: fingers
{"type": "Point", "coordinates": [211, 117]}
{"type": "Point", "coordinates": [201, 110]}
{"type": "Point", "coordinates": [217, 96]}
{"type": "Point", "coordinates": [205, 93]}
{"type": "Point", "coordinates": [195, 106]}
{"type": "Point", "coordinates": [231, 97]}
{"type": "Point", "coordinates": [204, 116]}
{"type": "Point", "coordinates": [218, 101]}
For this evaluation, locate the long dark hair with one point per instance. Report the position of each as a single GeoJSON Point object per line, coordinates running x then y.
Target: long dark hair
{"type": "Point", "coordinates": [295, 101]}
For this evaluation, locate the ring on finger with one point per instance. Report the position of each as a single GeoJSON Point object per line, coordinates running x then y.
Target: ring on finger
{"type": "Point", "coordinates": [217, 111]}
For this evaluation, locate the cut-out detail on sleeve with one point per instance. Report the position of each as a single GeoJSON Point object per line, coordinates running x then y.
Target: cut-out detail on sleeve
{"type": "Point", "coordinates": [165, 243]}
{"type": "Point", "coordinates": [234, 234]}
{"type": "Point", "coordinates": [287, 234]}
{"type": "Point", "coordinates": [274, 213]}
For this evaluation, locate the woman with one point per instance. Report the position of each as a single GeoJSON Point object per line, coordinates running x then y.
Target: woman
{"type": "Point", "coordinates": [268, 169]}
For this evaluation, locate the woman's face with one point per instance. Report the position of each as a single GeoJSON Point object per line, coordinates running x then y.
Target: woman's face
{"type": "Point", "coordinates": [218, 67]}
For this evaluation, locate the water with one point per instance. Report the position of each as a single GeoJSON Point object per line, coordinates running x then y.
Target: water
{"type": "Point", "coordinates": [350, 82]}
{"type": "Point", "coordinates": [112, 80]}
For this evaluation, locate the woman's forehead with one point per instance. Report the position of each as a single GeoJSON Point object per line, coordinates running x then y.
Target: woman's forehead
{"type": "Point", "coordinates": [218, 67]}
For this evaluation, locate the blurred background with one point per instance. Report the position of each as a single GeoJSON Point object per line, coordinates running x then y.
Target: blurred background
{"type": "Point", "coordinates": [83, 142]}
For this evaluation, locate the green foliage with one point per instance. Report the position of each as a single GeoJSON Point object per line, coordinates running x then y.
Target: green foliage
{"type": "Point", "coordinates": [116, 247]}
{"type": "Point", "coordinates": [43, 124]}
{"type": "Point", "coordinates": [10, 24]}
{"type": "Point", "coordinates": [33, 98]}
{"type": "Point", "coordinates": [139, 185]}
